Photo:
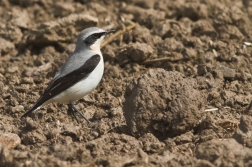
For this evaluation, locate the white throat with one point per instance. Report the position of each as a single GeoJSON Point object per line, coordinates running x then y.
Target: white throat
{"type": "Point", "coordinates": [96, 46]}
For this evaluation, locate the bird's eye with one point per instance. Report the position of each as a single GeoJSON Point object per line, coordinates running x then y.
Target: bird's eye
{"type": "Point", "coordinates": [92, 38]}
{"type": "Point", "coordinates": [96, 35]}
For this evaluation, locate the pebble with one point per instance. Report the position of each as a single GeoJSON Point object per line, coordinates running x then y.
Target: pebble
{"type": "Point", "coordinates": [12, 69]}
{"type": "Point", "coordinates": [227, 72]}
{"type": "Point", "coordinates": [11, 140]}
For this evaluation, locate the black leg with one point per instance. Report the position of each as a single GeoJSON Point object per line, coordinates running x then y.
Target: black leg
{"type": "Point", "coordinates": [73, 112]}
{"type": "Point", "coordinates": [76, 110]}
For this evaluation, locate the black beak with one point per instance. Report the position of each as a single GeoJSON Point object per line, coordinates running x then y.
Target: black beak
{"type": "Point", "coordinates": [109, 32]}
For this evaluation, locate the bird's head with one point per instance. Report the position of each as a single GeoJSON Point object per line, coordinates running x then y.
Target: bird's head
{"type": "Point", "coordinates": [91, 38]}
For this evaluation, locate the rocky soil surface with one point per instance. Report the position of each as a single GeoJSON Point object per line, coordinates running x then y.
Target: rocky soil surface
{"type": "Point", "coordinates": [176, 90]}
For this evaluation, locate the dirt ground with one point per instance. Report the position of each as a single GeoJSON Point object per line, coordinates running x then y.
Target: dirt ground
{"type": "Point", "coordinates": [176, 90]}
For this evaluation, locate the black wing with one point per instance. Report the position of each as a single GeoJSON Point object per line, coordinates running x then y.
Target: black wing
{"type": "Point", "coordinates": [58, 85]}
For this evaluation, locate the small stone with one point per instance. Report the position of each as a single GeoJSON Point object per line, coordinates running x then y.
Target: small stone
{"type": "Point", "coordinates": [227, 72]}
{"type": "Point", "coordinates": [12, 69]}
{"type": "Point", "coordinates": [11, 140]}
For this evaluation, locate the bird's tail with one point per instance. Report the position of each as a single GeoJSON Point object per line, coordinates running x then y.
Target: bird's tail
{"type": "Point", "coordinates": [35, 107]}
{"type": "Point", "coordinates": [29, 112]}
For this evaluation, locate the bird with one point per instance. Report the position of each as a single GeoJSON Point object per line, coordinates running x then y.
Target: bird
{"type": "Point", "coordinates": [80, 74]}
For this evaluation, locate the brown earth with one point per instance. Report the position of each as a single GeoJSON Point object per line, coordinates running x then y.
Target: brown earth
{"type": "Point", "coordinates": [176, 89]}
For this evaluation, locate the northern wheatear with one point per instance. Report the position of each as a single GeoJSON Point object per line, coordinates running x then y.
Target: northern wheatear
{"type": "Point", "coordinates": [81, 73]}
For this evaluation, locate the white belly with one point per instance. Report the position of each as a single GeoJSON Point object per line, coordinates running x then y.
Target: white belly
{"type": "Point", "coordinates": [82, 88]}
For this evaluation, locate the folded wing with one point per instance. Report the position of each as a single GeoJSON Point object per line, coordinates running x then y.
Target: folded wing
{"type": "Point", "coordinates": [58, 85]}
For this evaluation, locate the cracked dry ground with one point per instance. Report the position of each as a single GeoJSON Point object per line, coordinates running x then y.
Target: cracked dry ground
{"type": "Point", "coordinates": [176, 89]}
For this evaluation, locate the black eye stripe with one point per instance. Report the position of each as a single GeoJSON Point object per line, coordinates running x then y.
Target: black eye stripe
{"type": "Point", "coordinates": [98, 35]}
{"type": "Point", "coordinates": [92, 38]}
